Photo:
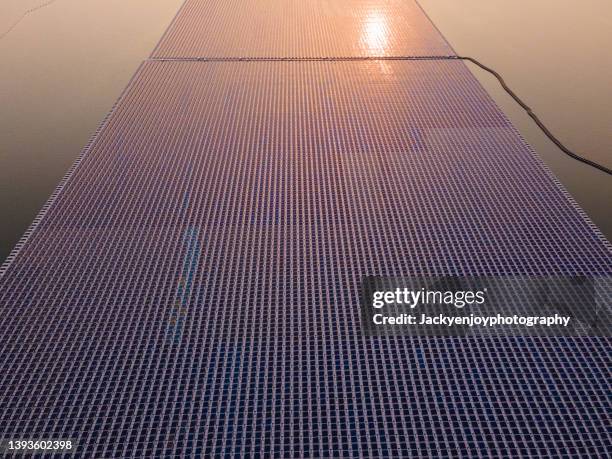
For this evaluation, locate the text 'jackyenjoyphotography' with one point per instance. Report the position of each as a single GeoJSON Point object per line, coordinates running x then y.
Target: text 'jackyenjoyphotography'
{"type": "Point", "coordinates": [459, 306]}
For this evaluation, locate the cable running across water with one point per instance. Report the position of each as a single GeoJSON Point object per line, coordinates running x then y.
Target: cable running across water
{"type": "Point", "coordinates": [23, 15]}
{"type": "Point", "coordinates": [499, 78]}
{"type": "Point", "coordinates": [535, 118]}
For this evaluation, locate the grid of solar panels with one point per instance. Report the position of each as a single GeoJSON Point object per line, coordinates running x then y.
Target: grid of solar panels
{"type": "Point", "coordinates": [296, 28]}
{"type": "Point", "coordinates": [192, 288]}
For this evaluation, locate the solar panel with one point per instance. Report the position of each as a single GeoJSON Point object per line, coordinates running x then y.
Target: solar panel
{"type": "Point", "coordinates": [294, 28]}
{"type": "Point", "coordinates": [193, 287]}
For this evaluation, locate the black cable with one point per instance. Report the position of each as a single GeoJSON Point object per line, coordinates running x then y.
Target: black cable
{"type": "Point", "coordinates": [23, 15]}
{"type": "Point", "coordinates": [517, 99]}
{"type": "Point", "coordinates": [534, 117]}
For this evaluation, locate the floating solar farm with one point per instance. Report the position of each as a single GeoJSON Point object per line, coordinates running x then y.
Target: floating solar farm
{"type": "Point", "coordinates": [191, 288]}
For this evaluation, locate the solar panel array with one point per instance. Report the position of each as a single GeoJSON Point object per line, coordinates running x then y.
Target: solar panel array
{"type": "Point", "coordinates": [294, 28]}
{"type": "Point", "coordinates": [191, 289]}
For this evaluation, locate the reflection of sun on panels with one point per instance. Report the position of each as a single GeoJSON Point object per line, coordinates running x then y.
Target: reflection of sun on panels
{"type": "Point", "coordinates": [296, 28]}
{"type": "Point", "coordinates": [192, 289]}
{"type": "Point", "coordinates": [375, 35]}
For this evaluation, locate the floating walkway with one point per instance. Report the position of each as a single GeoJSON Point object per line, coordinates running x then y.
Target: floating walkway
{"type": "Point", "coordinates": [192, 286]}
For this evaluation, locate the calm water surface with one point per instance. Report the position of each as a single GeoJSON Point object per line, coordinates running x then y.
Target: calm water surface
{"type": "Point", "coordinates": [555, 54]}
{"type": "Point", "coordinates": [64, 65]}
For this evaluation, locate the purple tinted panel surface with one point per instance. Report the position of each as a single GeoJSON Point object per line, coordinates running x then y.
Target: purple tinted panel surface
{"type": "Point", "coordinates": [193, 287]}
{"type": "Point", "coordinates": [297, 28]}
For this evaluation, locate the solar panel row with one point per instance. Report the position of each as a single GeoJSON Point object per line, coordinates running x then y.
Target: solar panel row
{"type": "Point", "coordinates": [192, 287]}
